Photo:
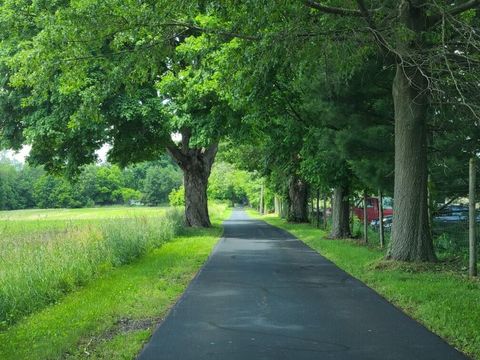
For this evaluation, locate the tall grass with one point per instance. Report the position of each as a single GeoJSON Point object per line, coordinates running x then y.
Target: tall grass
{"type": "Point", "coordinates": [38, 268]}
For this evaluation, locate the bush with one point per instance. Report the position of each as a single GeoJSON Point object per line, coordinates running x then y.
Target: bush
{"type": "Point", "coordinates": [177, 197]}
{"type": "Point", "coordinates": [125, 195]}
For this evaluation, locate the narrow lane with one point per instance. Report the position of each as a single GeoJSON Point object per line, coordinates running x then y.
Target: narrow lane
{"type": "Point", "coordinates": [265, 295]}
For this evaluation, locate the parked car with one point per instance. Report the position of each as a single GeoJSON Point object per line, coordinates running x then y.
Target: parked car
{"type": "Point", "coordinates": [452, 214]}
{"type": "Point", "coordinates": [387, 222]}
{"type": "Point", "coordinates": [373, 208]}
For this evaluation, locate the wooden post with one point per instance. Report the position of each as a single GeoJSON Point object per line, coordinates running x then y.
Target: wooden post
{"type": "Point", "coordinates": [365, 218]}
{"type": "Point", "coordinates": [312, 210]}
{"type": "Point", "coordinates": [352, 214]}
{"type": "Point", "coordinates": [472, 268]}
{"type": "Point", "coordinates": [262, 190]}
{"type": "Point", "coordinates": [318, 208]}
{"type": "Point", "coordinates": [380, 219]}
{"type": "Point", "coordinates": [325, 212]}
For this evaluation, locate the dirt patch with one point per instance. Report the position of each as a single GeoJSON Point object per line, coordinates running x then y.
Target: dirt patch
{"type": "Point", "coordinates": [121, 326]}
{"type": "Point", "coordinates": [453, 265]}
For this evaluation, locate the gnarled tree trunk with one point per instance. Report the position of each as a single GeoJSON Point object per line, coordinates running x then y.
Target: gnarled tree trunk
{"type": "Point", "coordinates": [340, 214]}
{"type": "Point", "coordinates": [196, 165]}
{"type": "Point", "coordinates": [411, 236]}
{"type": "Point", "coordinates": [298, 200]}
{"type": "Point", "coordinates": [195, 180]}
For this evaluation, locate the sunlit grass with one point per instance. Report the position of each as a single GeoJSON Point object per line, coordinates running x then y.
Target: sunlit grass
{"type": "Point", "coordinates": [114, 315]}
{"type": "Point", "coordinates": [39, 266]}
{"type": "Point", "coordinates": [80, 214]}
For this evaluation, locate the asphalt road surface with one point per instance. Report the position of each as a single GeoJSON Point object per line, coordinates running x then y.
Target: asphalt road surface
{"type": "Point", "coordinates": [263, 294]}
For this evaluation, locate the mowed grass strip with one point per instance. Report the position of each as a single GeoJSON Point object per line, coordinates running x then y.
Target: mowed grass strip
{"type": "Point", "coordinates": [113, 316]}
{"type": "Point", "coordinates": [445, 301]}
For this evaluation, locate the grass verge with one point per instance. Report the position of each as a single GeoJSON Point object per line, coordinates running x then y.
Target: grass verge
{"type": "Point", "coordinates": [444, 301]}
{"type": "Point", "coordinates": [112, 316]}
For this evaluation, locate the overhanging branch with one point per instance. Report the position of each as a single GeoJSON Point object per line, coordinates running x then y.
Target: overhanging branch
{"type": "Point", "coordinates": [434, 19]}
{"type": "Point", "coordinates": [332, 10]}
{"type": "Point", "coordinates": [177, 154]}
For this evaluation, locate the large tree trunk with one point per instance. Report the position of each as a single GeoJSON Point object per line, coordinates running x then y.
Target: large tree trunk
{"type": "Point", "coordinates": [195, 180]}
{"type": "Point", "coordinates": [411, 236]}
{"type": "Point", "coordinates": [298, 200]}
{"type": "Point", "coordinates": [196, 165]}
{"type": "Point", "coordinates": [340, 214]}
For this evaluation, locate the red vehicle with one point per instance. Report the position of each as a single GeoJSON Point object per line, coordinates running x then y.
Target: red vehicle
{"type": "Point", "coordinates": [373, 209]}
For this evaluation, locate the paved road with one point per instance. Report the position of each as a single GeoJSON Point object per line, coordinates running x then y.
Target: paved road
{"type": "Point", "coordinates": [265, 295]}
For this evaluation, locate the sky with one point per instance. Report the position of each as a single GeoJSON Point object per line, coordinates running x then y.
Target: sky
{"type": "Point", "coordinates": [21, 155]}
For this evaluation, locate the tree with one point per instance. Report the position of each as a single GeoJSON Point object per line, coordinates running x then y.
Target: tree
{"type": "Point", "coordinates": [159, 183]}
{"type": "Point", "coordinates": [422, 31]}
{"type": "Point", "coordinates": [93, 74]}
{"type": "Point", "coordinates": [8, 195]}
{"type": "Point", "coordinates": [432, 47]}
{"type": "Point", "coordinates": [227, 182]}
{"type": "Point", "coordinates": [100, 184]}
{"type": "Point", "coordinates": [56, 192]}
{"type": "Point", "coordinates": [27, 175]}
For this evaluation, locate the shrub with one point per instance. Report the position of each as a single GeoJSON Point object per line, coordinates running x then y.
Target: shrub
{"type": "Point", "coordinates": [177, 197]}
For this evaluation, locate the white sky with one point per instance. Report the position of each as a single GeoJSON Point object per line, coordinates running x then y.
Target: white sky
{"type": "Point", "coordinates": [21, 155]}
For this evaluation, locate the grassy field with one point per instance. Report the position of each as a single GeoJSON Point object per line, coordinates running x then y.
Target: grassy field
{"type": "Point", "coordinates": [80, 214]}
{"type": "Point", "coordinates": [112, 315]}
{"type": "Point", "coordinates": [30, 221]}
{"type": "Point", "coordinates": [443, 300]}
{"type": "Point", "coordinates": [46, 254]}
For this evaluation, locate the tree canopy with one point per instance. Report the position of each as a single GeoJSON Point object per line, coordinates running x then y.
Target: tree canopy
{"type": "Point", "coordinates": [334, 96]}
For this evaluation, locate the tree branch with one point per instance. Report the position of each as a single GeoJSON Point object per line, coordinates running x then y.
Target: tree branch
{"type": "Point", "coordinates": [177, 155]}
{"type": "Point", "coordinates": [186, 134]}
{"type": "Point", "coordinates": [366, 13]}
{"type": "Point", "coordinates": [332, 10]}
{"type": "Point", "coordinates": [209, 153]}
{"type": "Point", "coordinates": [218, 32]}
{"type": "Point", "coordinates": [433, 19]}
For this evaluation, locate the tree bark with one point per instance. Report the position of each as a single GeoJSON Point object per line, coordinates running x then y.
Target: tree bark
{"type": "Point", "coordinates": [411, 236]}
{"type": "Point", "coordinates": [196, 165]}
{"type": "Point", "coordinates": [341, 214]}
{"type": "Point", "coordinates": [277, 205]}
{"type": "Point", "coordinates": [298, 201]}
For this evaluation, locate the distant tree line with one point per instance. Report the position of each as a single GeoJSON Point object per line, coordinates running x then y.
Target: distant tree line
{"type": "Point", "coordinates": [24, 186]}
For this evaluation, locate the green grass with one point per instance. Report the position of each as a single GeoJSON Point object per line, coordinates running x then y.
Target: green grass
{"type": "Point", "coordinates": [113, 316]}
{"type": "Point", "coordinates": [38, 268]}
{"type": "Point", "coordinates": [32, 221]}
{"type": "Point", "coordinates": [106, 212]}
{"type": "Point", "coordinates": [445, 301]}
